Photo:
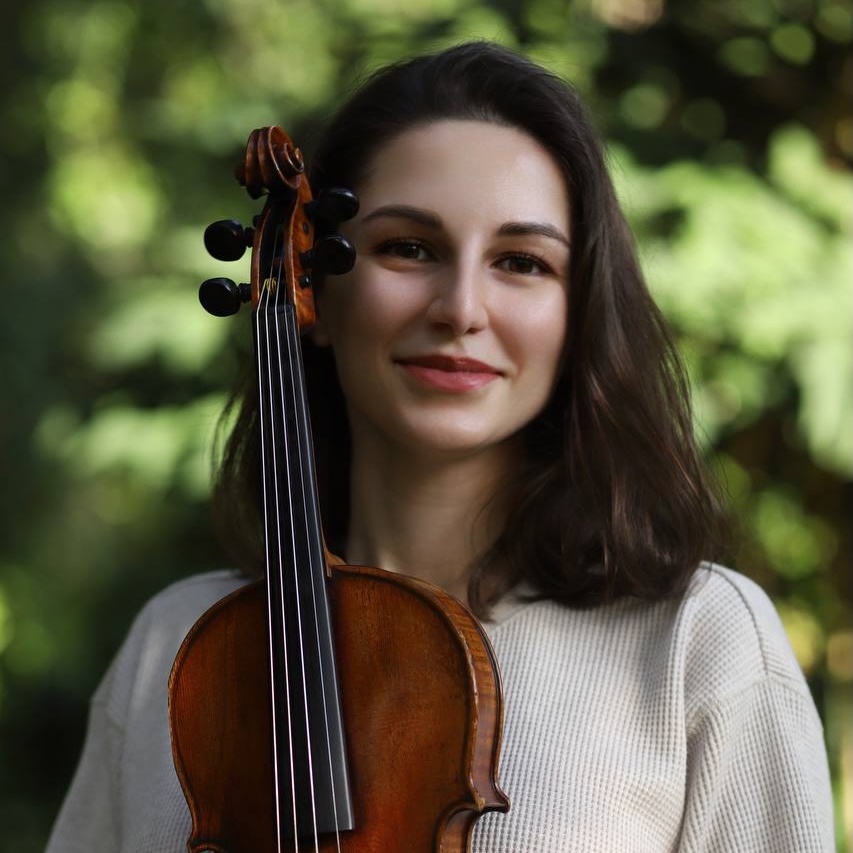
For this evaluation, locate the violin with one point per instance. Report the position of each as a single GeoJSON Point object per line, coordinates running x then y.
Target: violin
{"type": "Point", "coordinates": [326, 707]}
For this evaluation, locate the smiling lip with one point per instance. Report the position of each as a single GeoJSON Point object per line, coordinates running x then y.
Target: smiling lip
{"type": "Point", "coordinates": [449, 373]}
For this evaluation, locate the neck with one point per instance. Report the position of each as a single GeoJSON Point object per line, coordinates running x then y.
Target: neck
{"type": "Point", "coordinates": [430, 517]}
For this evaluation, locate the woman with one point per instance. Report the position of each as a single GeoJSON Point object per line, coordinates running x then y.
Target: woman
{"type": "Point", "coordinates": [514, 420]}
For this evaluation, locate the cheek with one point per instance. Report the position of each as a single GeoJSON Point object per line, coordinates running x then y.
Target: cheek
{"type": "Point", "coordinates": [367, 310]}
{"type": "Point", "coordinates": [537, 330]}
{"type": "Point", "coordinates": [363, 318]}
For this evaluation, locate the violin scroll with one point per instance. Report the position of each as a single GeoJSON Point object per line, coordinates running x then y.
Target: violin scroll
{"type": "Point", "coordinates": [272, 165]}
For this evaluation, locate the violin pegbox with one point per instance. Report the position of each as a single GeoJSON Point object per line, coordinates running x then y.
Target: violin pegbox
{"type": "Point", "coordinates": [293, 234]}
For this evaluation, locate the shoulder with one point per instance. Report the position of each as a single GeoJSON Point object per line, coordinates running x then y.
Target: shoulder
{"type": "Point", "coordinates": [185, 600]}
{"type": "Point", "coordinates": [730, 639]}
{"type": "Point", "coordinates": [722, 637]}
{"type": "Point", "coordinates": [142, 664]}
{"type": "Point", "coordinates": [757, 775]}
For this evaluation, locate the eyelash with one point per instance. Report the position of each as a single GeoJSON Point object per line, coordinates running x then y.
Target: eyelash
{"type": "Point", "coordinates": [387, 245]}
{"type": "Point", "coordinates": [384, 247]}
{"type": "Point", "coordinates": [544, 267]}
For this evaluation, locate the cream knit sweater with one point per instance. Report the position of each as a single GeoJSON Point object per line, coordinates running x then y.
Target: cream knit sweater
{"type": "Point", "coordinates": [677, 726]}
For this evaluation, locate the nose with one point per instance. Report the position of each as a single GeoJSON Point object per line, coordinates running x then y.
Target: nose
{"type": "Point", "coordinates": [459, 301]}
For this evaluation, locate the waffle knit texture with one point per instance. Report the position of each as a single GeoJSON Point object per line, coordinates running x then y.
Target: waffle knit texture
{"type": "Point", "coordinates": [639, 727]}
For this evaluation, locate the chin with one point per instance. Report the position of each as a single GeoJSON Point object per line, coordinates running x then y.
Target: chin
{"type": "Point", "coordinates": [432, 436]}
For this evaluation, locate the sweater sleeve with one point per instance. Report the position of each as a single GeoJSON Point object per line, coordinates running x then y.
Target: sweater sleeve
{"type": "Point", "coordinates": [88, 819]}
{"type": "Point", "coordinates": [757, 778]}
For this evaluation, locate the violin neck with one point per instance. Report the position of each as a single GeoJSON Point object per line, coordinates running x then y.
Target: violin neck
{"type": "Point", "coordinates": [313, 792]}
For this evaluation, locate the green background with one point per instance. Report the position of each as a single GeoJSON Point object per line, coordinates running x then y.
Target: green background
{"type": "Point", "coordinates": [731, 147]}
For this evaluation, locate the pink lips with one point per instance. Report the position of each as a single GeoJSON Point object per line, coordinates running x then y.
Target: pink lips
{"type": "Point", "coordinates": [449, 373]}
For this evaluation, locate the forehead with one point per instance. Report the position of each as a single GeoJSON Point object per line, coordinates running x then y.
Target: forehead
{"type": "Point", "coordinates": [471, 167]}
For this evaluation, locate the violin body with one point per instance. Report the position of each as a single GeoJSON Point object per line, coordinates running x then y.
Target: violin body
{"type": "Point", "coordinates": [420, 690]}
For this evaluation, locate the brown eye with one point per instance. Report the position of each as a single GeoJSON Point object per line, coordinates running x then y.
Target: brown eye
{"type": "Point", "coordinates": [523, 265]}
{"type": "Point", "coordinates": [410, 250]}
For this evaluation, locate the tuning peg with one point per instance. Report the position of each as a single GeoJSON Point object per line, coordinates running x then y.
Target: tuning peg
{"type": "Point", "coordinates": [222, 297]}
{"type": "Point", "coordinates": [332, 254]}
{"type": "Point", "coordinates": [333, 206]}
{"type": "Point", "coordinates": [227, 239]}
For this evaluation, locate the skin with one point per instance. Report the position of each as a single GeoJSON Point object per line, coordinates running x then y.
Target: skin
{"type": "Point", "coordinates": [448, 276]}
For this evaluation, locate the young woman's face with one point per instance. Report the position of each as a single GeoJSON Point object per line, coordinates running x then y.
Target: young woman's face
{"type": "Point", "coordinates": [448, 331]}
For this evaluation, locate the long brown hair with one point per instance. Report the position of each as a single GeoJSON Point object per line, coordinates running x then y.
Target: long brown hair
{"type": "Point", "coordinates": [612, 499]}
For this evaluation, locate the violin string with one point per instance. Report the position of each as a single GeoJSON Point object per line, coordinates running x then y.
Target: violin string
{"type": "Point", "coordinates": [261, 308]}
{"type": "Point", "coordinates": [294, 357]}
{"type": "Point", "coordinates": [266, 317]}
{"type": "Point", "coordinates": [287, 466]}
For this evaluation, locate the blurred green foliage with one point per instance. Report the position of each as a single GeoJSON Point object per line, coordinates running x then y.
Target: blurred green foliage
{"type": "Point", "coordinates": [731, 147]}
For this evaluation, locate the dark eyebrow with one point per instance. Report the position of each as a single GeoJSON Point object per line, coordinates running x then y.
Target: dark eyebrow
{"type": "Point", "coordinates": [404, 211]}
{"type": "Point", "coordinates": [542, 229]}
{"type": "Point", "coordinates": [430, 220]}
